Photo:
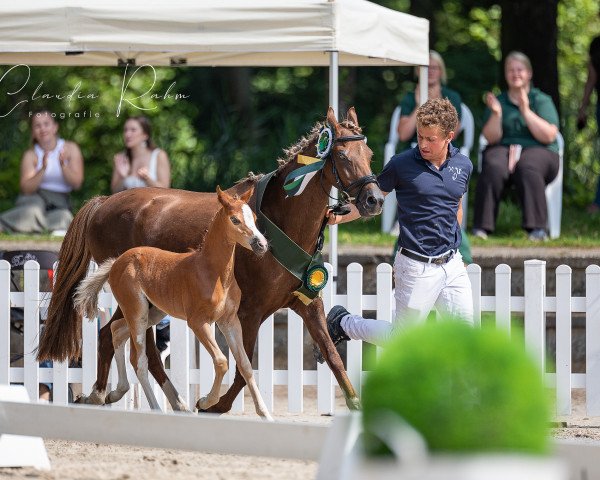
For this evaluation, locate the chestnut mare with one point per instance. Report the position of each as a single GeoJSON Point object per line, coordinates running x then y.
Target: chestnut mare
{"type": "Point", "coordinates": [176, 220]}
{"type": "Point", "coordinates": [197, 286]}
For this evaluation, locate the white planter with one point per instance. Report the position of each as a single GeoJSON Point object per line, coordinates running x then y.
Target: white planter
{"type": "Point", "coordinates": [343, 459]}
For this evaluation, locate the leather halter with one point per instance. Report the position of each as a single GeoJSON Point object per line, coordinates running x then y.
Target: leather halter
{"type": "Point", "coordinates": [357, 185]}
{"type": "Point", "coordinates": [288, 253]}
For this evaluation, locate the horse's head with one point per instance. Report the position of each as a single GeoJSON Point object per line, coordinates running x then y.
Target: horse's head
{"type": "Point", "coordinates": [350, 160]}
{"type": "Point", "coordinates": [242, 221]}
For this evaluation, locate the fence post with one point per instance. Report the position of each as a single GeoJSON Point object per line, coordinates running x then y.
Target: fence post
{"type": "Point", "coordinates": [295, 343]}
{"type": "Point", "coordinates": [180, 359]}
{"type": "Point", "coordinates": [266, 347]}
{"type": "Point", "coordinates": [503, 307]}
{"type": "Point", "coordinates": [89, 354]}
{"type": "Point", "coordinates": [325, 391]}
{"type": "Point", "coordinates": [4, 322]}
{"type": "Point", "coordinates": [563, 340]}
{"type": "Point", "coordinates": [31, 328]}
{"type": "Point", "coordinates": [355, 306]}
{"type": "Point", "coordinates": [535, 291]}
{"type": "Point", "coordinates": [385, 298]}
{"type": "Point", "coordinates": [474, 272]}
{"type": "Point", "coordinates": [592, 339]}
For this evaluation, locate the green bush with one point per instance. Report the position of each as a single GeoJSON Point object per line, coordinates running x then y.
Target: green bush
{"type": "Point", "coordinates": [463, 388]}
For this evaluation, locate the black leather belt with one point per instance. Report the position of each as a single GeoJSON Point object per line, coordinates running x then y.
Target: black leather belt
{"type": "Point", "coordinates": [441, 260]}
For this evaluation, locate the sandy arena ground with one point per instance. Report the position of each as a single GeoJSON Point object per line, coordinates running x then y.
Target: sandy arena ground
{"type": "Point", "coordinates": [87, 461]}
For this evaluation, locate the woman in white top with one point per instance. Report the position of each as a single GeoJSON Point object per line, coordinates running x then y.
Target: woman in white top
{"type": "Point", "coordinates": [141, 164]}
{"type": "Point", "coordinates": [50, 170]}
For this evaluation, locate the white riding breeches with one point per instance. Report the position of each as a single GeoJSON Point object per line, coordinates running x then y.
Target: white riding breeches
{"type": "Point", "coordinates": [420, 287]}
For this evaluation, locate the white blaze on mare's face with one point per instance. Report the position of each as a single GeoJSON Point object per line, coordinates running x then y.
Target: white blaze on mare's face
{"type": "Point", "coordinates": [249, 221]}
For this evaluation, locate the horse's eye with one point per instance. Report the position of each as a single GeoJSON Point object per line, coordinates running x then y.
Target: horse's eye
{"type": "Point", "coordinates": [234, 220]}
{"type": "Point", "coordinates": [343, 156]}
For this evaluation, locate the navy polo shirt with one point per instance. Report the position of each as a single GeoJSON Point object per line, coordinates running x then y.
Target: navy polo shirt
{"type": "Point", "coordinates": [427, 199]}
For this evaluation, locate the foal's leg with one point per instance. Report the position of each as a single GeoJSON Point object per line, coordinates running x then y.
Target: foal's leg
{"type": "Point", "coordinates": [105, 355]}
{"type": "Point", "coordinates": [205, 335]}
{"type": "Point", "coordinates": [139, 360]}
{"type": "Point", "coordinates": [120, 334]}
{"type": "Point", "coordinates": [232, 330]}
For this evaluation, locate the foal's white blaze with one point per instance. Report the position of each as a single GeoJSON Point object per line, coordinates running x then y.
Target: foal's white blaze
{"type": "Point", "coordinates": [249, 221]}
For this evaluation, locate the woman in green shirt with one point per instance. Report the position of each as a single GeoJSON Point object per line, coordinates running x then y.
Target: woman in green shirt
{"type": "Point", "coordinates": [520, 126]}
{"type": "Point", "coordinates": [436, 88]}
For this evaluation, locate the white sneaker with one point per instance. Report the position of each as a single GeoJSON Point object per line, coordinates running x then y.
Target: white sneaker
{"type": "Point", "coordinates": [479, 233]}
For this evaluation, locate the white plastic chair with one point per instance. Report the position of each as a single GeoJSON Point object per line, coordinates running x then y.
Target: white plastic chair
{"type": "Point", "coordinates": [389, 207]}
{"type": "Point", "coordinates": [553, 190]}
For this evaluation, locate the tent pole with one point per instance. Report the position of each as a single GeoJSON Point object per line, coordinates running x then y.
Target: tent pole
{"type": "Point", "coordinates": [333, 102]}
{"type": "Point", "coordinates": [423, 83]}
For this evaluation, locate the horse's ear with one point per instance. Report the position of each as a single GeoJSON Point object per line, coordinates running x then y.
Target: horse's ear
{"type": "Point", "coordinates": [351, 116]}
{"type": "Point", "coordinates": [331, 117]}
{"type": "Point", "coordinates": [246, 196]}
{"type": "Point", "coordinates": [223, 197]}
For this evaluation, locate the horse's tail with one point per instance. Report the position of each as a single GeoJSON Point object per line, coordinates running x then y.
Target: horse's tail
{"type": "Point", "coordinates": [86, 294]}
{"type": "Point", "coordinates": [60, 339]}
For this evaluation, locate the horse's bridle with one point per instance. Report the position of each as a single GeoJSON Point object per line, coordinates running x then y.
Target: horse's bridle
{"type": "Point", "coordinates": [346, 191]}
{"type": "Point", "coordinates": [302, 265]}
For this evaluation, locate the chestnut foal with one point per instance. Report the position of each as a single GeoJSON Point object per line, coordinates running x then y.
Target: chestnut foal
{"type": "Point", "coordinates": [197, 286]}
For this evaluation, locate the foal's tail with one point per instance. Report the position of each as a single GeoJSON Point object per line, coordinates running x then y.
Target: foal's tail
{"type": "Point", "coordinates": [60, 339]}
{"type": "Point", "coordinates": [86, 295]}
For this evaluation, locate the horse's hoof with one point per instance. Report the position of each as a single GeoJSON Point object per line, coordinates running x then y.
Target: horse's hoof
{"type": "Point", "coordinates": [214, 410]}
{"type": "Point", "coordinates": [115, 396]}
{"type": "Point", "coordinates": [181, 407]}
{"type": "Point", "coordinates": [88, 400]}
{"type": "Point", "coordinates": [203, 404]}
{"type": "Point", "coordinates": [353, 403]}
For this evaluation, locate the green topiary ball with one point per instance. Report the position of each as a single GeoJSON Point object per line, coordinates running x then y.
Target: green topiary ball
{"type": "Point", "coordinates": [463, 388]}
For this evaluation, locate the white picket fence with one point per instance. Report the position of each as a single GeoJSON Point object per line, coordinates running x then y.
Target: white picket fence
{"type": "Point", "coordinates": [194, 378]}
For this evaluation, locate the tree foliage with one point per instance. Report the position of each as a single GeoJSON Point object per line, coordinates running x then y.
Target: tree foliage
{"type": "Point", "coordinates": [238, 120]}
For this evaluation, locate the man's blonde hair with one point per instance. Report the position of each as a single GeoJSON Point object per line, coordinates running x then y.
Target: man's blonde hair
{"type": "Point", "coordinates": [438, 112]}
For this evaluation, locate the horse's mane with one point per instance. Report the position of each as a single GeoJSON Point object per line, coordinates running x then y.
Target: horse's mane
{"type": "Point", "coordinates": [293, 150]}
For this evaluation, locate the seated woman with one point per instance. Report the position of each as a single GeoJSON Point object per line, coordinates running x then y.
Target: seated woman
{"type": "Point", "coordinates": [50, 170]}
{"type": "Point", "coordinates": [436, 87]}
{"type": "Point", "coordinates": [521, 125]}
{"type": "Point", "coordinates": [141, 164]}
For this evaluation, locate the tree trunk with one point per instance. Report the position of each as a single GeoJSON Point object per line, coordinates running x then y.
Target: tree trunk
{"type": "Point", "coordinates": [530, 26]}
{"type": "Point", "coordinates": [426, 9]}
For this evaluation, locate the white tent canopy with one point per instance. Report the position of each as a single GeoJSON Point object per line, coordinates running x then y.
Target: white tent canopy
{"type": "Point", "coordinates": [214, 33]}
{"type": "Point", "coordinates": [209, 33]}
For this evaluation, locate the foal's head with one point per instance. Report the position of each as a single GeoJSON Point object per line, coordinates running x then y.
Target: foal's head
{"type": "Point", "coordinates": [242, 221]}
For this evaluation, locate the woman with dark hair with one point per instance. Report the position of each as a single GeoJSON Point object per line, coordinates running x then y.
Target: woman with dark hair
{"type": "Point", "coordinates": [142, 164]}
{"type": "Point", "coordinates": [50, 170]}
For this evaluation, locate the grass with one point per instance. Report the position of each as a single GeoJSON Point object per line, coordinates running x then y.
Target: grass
{"type": "Point", "coordinates": [23, 237]}
{"type": "Point", "coordinates": [579, 229]}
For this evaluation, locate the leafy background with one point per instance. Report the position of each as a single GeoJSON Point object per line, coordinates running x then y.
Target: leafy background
{"type": "Point", "coordinates": [238, 120]}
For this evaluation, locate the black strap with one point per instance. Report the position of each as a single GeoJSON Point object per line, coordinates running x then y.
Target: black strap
{"type": "Point", "coordinates": [422, 258]}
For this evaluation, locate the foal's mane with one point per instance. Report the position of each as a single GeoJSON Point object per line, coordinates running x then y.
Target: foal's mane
{"type": "Point", "coordinates": [293, 150]}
